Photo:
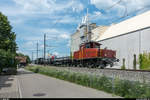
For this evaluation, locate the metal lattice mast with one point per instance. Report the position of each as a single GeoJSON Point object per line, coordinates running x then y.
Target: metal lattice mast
{"type": "Point", "coordinates": [87, 23]}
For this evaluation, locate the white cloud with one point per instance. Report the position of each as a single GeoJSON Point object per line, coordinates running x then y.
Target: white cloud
{"type": "Point", "coordinates": [97, 13]}
{"type": "Point", "coordinates": [34, 38]}
{"type": "Point", "coordinates": [48, 6]}
{"type": "Point", "coordinates": [68, 19]}
{"type": "Point", "coordinates": [102, 4]}
{"type": "Point", "coordinates": [24, 10]}
{"type": "Point", "coordinates": [42, 46]}
{"type": "Point", "coordinates": [64, 36]}
{"type": "Point", "coordinates": [120, 8]}
{"type": "Point", "coordinates": [55, 53]}
{"type": "Point", "coordinates": [69, 43]}
{"type": "Point", "coordinates": [50, 31]}
{"type": "Point", "coordinates": [77, 6]}
{"type": "Point", "coordinates": [34, 6]}
{"type": "Point", "coordinates": [56, 34]}
{"type": "Point", "coordinates": [23, 14]}
{"type": "Point", "coordinates": [29, 43]}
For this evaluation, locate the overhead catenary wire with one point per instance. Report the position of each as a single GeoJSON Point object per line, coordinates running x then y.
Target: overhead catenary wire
{"type": "Point", "coordinates": [126, 14]}
{"type": "Point", "coordinates": [113, 5]}
{"type": "Point", "coordinates": [129, 14]}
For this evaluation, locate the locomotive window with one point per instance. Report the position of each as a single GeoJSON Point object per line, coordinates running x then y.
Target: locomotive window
{"type": "Point", "coordinates": [97, 46]}
{"type": "Point", "coordinates": [87, 45]}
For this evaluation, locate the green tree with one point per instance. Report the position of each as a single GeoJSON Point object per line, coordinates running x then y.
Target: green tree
{"type": "Point", "coordinates": [20, 54]}
{"type": "Point", "coordinates": [8, 44]}
{"type": "Point", "coordinates": [28, 59]}
{"type": "Point", "coordinates": [7, 37]}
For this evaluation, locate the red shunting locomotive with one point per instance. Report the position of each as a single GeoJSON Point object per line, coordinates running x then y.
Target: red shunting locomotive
{"type": "Point", "coordinates": [90, 54]}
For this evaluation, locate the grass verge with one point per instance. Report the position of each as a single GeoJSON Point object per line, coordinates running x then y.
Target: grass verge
{"type": "Point", "coordinates": [123, 88]}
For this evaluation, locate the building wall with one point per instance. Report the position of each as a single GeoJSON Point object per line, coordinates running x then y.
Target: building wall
{"type": "Point", "coordinates": [97, 32]}
{"type": "Point", "coordinates": [127, 45]}
{"type": "Point", "coordinates": [75, 42]}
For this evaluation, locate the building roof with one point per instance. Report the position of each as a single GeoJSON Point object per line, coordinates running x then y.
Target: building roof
{"type": "Point", "coordinates": [98, 32]}
{"type": "Point", "coordinates": [135, 23]}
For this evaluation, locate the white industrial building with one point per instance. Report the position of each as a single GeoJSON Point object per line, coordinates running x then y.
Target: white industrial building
{"type": "Point", "coordinates": [128, 37]}
{"type": "Point", "coordinates": [97, 31]}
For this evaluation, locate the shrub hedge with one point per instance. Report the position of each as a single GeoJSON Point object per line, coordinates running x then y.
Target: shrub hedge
{"type": "Point", "coordinates": [124, 88]}
{"type": "Point", "coordinates": [144, 61]}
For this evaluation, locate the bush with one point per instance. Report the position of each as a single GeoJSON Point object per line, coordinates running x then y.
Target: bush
{"type": "Point", "coordinates": [144, 61]}
{"type": "Point", "coordinates": [36, 70]}
{"type": "Point", "coordinates": [123, 87]}
{"type": "Point", "coordinates": [123, 65]}
{"type": "Point", "coordinates": [134, 62]}
{"type": "Point", "coordinates": [7, 60]}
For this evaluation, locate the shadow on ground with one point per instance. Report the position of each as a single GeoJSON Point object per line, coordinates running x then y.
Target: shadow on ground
{"type": "Point", "coordinates": [4, 79]}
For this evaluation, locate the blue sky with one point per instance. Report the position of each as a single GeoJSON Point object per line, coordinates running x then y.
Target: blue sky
{"type": "Point", "coordinates": [59, 19]}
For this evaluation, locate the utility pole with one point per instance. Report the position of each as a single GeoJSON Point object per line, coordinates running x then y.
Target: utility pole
{"type": "Point", "coordinates": [87, 23]}
{"type": "Point", "coordinates": [44, 47]}
{"type": "Point", "coordinates": [37, 51]}
{"type": "Point", "coordinates": [32, 56]}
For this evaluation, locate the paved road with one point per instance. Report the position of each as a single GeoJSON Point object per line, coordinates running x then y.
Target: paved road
{"type": "Point", "coordinates": [35, 86]}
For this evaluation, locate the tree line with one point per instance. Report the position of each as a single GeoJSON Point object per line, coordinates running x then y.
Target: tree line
{"type": "Point", "coordinates": [8, 46]}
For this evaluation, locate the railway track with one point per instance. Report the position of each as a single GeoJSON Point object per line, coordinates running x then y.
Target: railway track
{"type": "Point", "coordinates": [127, 74]}
{"type": "Point", "coordinates": [128, 70]}
{"type": "Point", "coordinates": [101, 69]}
{"type": "Point", "coordinates": [113, 69]}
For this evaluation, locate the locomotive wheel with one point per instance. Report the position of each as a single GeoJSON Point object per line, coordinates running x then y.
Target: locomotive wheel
{"type": "Point", "coordinates": [93, 65]}
{"type": "Point", "coordinates": [102, 65]}
{"type": "Point", "coordinates": [111, 64]}
{"type": "Point", "coordinates": [97, 65]}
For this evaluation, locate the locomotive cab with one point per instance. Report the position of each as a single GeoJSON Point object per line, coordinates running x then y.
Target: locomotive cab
{"type": "Point", "coordinates": [90, 45]}
{"type": "Point", "coordinates": [88, 50]}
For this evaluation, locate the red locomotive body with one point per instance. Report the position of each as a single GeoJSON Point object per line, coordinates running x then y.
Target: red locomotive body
{"type": "Point", "coordinates": [76, 55]}
{"type": "Point", "coordinates": [91, 52]}
{"type": "Point", "coordinates": [107, 53]}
